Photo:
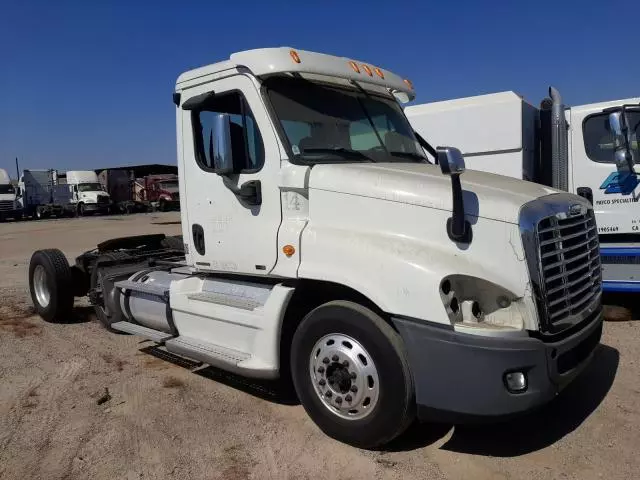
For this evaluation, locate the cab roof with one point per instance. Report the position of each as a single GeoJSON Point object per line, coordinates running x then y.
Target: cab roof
{"type": "Point", "coordinates": [268, 61]}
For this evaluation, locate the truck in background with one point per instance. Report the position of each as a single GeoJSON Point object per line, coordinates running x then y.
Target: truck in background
{"type": "Point", "coordinates": [9, 205]}
{"type": "Point", "coordinates": [88, 196]}
{"type": "Point", "coordinates": [43, 194]}
{"type": "Point", "coordinates": [396, 288]}
{"type": "Point", "coordinates": [504, 134]}
{"type": "Point", "coordinates": [161, 191]}
{"type": "Point", "coordinates": [131, 194]}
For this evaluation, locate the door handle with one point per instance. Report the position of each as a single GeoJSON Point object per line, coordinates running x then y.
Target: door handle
{"type": "Point", "coordinates": [198, 238]}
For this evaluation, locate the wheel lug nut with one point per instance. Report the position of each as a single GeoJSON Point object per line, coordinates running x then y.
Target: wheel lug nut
{"type": "Point", "coordinates": [345, 363]}
{"type": "Point", "coordinates": [338, 400]}
{"type": "Point", "coordinates": [320, 369]}
{"type": "Point", "coordinates": [322, 382]}
{"type": "Point", "coordinates": [335, 358]}
{"type": "Point", "coordinates": [329, 394]}
{"type": "Point", "coordinates": [325, 360]}
{"type": "Point", "coordinates": [353, 375]}
{"type": "Point", "coordinates": [354, 389]}
{"type": "Point", "coordinates": [348, 398]}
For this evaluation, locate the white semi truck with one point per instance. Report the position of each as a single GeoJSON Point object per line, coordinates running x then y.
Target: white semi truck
{"type": "Point", "coordinates": [87, 193]}
{"type": "Point", "coordinates": [9, 205]}
{"type": "Point", "coordinates": [502, 133]}
{"type": "Point", "coordinates": [320, 245]}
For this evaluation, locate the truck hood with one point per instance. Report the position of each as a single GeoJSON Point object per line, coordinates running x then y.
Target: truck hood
{"type": "Point", "coordinates": [486, 195]}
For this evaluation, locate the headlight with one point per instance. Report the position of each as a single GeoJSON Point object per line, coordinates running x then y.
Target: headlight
{"type": "Point", "coordinates": [475, 302]}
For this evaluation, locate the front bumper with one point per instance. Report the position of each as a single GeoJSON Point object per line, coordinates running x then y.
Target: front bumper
{"type": "Point", "coordinates": [460, 377]}
{"type": "Point", "coordinates": [96, 207]}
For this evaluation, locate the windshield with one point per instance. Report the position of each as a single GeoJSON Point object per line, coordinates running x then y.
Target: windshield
{"type": "Point", "coordinates": [89, 187]}
{"type": "Point", "coordinates": [326, 124]}
{"type": "Point", "coordinates": [6, 189]}
{"type": "Point", "coordinates": [169, 185]}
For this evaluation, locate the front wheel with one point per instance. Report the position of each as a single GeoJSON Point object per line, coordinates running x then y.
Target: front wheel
{"type": "Point", "coordinates": [351, 373]}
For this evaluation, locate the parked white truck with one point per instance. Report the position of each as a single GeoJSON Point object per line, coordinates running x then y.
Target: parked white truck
{"type": "Point", "coordinates": [382, 285]}
{"type": "Point", "coordinates": [502, 133]}
{"type": "Point", "coordinates": [87, 193]}
{"type": "Point", "coordinates": [9, 206]}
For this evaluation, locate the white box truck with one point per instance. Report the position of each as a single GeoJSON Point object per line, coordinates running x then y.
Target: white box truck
{"type": "Point", "coordinates": [41, 194]}
{"type": "Point", "coordinates": [88, 195]}
{"type": "Point", "coordinates": [9, 205]}
{"type": "Point", "coordinates": [504, 134]}
{"type": "Point", "coordinates": [320, 245]}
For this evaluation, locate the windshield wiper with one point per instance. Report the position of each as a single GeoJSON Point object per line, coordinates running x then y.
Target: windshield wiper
{"type": "Point", "coordinates": [415, 156]}
{"type": "Point", "coordinates": [339, 151]}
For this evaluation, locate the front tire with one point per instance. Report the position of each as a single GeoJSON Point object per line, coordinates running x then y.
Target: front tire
{"type": "Point", "coordinates": [351, 373]}
{"type": "Point", "coordinates": [51, 285]}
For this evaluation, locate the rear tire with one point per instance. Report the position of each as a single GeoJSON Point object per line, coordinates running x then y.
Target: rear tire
{"type": "Point", "coordinates": [51, 285]}
{"type": "Point", "coordinates": [349, 350]}
{"type": "Point", "coordinates": [175, 243]}
{"type": "Point", "coordinates": [106, 319]}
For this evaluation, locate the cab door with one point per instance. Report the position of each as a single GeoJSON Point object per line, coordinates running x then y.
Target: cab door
{"type": "Point", "coordinates": [225, 232]}
{"type": "Point", "coordinates": [615, 191]}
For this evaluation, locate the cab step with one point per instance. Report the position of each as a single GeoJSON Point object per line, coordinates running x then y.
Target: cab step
{"type": "Point", "coordinates": [148, 333]}
{"type": "Point", "coordinates": [215, 355]}
{"type": "Point", "coordinates": [235, 301]}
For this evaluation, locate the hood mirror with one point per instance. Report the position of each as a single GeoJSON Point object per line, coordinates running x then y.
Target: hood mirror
{"type": "Point", "coordinates": [451, 164]}
{"type": "Point", "coordinates": [450, 160]}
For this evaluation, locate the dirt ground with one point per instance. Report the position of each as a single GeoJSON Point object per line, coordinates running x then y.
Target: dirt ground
{"type": "Point", "coordinates": [78, 402]}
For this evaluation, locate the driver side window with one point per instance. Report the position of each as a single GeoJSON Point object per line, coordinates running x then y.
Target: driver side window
{"type": "Point", "coordinates": [246, 141]}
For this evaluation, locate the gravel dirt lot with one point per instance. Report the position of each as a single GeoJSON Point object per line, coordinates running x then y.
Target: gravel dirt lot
{"type": "Point", "coordinates": [165, 418]}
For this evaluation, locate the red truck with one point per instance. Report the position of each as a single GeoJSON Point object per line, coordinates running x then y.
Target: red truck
{"type": "Point", "coordinates": [131, 194]}
{"type": "Point", "coordinates": [160, 191]}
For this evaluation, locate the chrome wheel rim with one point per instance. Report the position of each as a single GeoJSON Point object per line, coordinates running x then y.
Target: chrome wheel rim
{"type": "Point", "coordinates": [344, 376]}
{"type": "Point", "coordinates": [40, 286]}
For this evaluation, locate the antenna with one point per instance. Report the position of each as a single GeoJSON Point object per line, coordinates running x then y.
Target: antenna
{"type": "Point", "coordinates": [17, 169]}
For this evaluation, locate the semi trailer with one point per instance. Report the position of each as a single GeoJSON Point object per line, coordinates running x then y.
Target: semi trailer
{"type": "Point", "coordinates": [43, 194]}
{"type": "Point", "coordinates": [503, 133]}
{"type": "Point", "coordinates": [321, 246]}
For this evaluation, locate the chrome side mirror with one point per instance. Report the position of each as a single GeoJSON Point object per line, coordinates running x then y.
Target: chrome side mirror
{"type": "Point", "coordinates": [450, 160]}
{"type": "Point", "coordinates": [619, 128]}
{"type": "Point", "coordinates": [220, 144]}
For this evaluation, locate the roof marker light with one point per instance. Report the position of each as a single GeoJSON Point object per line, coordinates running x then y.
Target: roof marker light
{"type": "Point", "coordinates": [355, 67]}
{"type": "Point", "coordinates": [294, 56]}
{"type": "Point", "coordinates": [368, 70]}
{"type": "Point", "coordinates": [409, 84]}
{"type": "Point", "coordinates": [379, 72]}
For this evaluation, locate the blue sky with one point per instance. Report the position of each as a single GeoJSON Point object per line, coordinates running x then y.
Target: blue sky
{"type": "Point", "coordinates": [87, 84]}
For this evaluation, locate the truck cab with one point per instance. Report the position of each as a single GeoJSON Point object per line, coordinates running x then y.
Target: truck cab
{"type": "Point", "coordinates": [504, 134]}
{"type": "Point", "coordinates": [87, 193]}
{"type": "Point", "coordinates": [9, 205]}
{"type": "Point", "coordinates": [322, 247]}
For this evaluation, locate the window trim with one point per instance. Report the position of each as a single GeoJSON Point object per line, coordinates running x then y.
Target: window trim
{"type": "Point", "coordinates": [584, 143]}
{"type": "Point", "coordinates": [195, 120]}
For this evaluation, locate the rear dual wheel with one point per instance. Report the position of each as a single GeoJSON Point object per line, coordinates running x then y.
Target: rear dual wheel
{"type": "Point", "coordinates": [351, 373]}
{"type": "Point", "coordinates": [51, 285]}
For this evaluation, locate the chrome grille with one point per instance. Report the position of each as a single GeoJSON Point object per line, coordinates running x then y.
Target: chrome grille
{"type": "Point", "coordinates": [6, 205]}
{"type": "Point", "coordinates": [569, 257]}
